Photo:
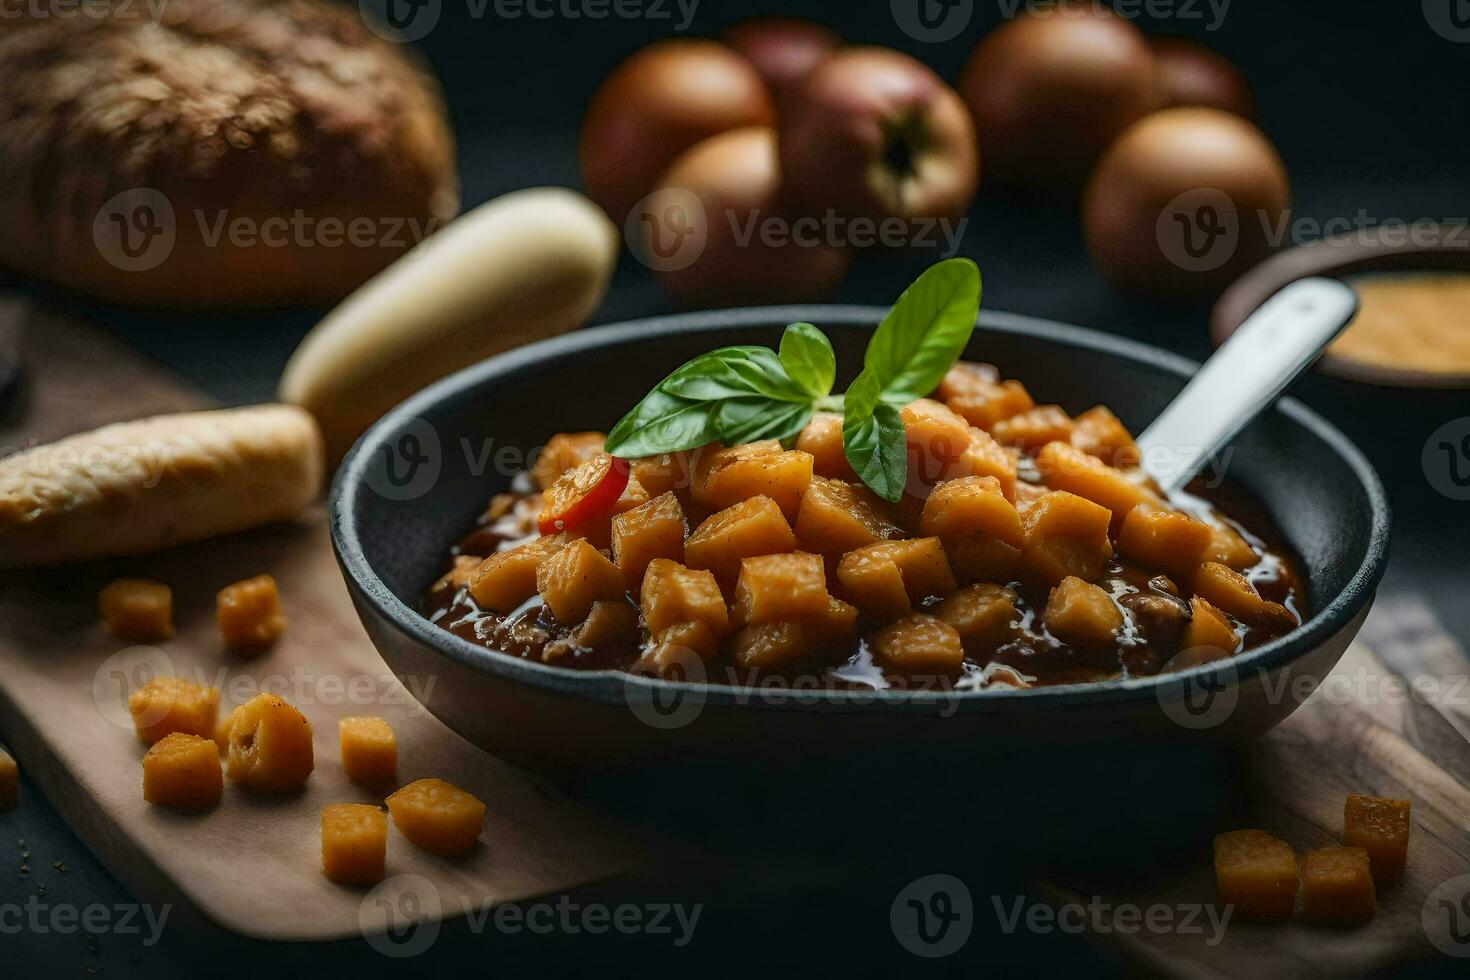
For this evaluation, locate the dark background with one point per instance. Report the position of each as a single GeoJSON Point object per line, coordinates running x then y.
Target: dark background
{"type": "Point", "coordinates": [1367, 105]}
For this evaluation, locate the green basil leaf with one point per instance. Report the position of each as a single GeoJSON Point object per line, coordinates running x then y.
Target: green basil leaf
{"type": "Point", "coordinates": [662, 423]}
{"type": "Point", "coordinates": [752, 419]}
{"type": "Point", "coordinates": [874, 445]}
{"type": "Point", "coordinates": [734, 372]}
{"type": "Point", "coordinates": [807, 356]}
{"type": "Point", "coordinates": [925, 332]}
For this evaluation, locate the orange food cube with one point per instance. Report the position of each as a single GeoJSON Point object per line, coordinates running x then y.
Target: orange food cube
{"type": "Point", "coordinates": [437, 817]}
{"type": "Point", "coordinates": [270, 745]}
{"type": "Point", "coordinates": [1098, 432]}
{"type": "Point", "coordinates": [1165, 539]}
{"type": "Point", "coordinates": [965, 376]}
{"type": "Point", "coordinates": [222, 732]}
{"type": "Point", "coordinates": [1064, 534]}
{"type": "Point", "coordinates": [1227, 589]}
{"type": "Point", "coordinates": [773, 644]}
{"type": "Point", "coordinates": [1080, 613]}
{"type": "Point", "coordinates": [250, 614]}
{"type": "Point", "coordinates": [984, 616]}
{"type": "Point", "coordinates": [935, 436]}
{"type": "Point", "coordinates": [1034, 428]}
{"type": "Point", "coordinates": [986, 457]}
{"type": "Point", "coordinates": [369, 749]}
{"type": "Point", "coordinates": [984, 403]}
{"type": "Point", "coordinates": [1256, 873]}
{"type": "Point", "coordinates": [1064, 467]}
{"type": "Point", "coordinates": [173, 704]}
{"type": "Point", "coordinates": [609, 622]}
{"type": "Point", "coordinates": [982, 559]}
{"type": "Point", "coordinates": [354, 843]}
{"type": "Point", "coordinates": [774, 587]}
{"type": "Point", "coordinates": [457, 577]}
{"type": "Point", "coordinates": [724, 477]}
{"type": "Point", "coordinates": [1208, 629]}
{"type": "Point", "coordinates": [970, 506]}
{"type": "Point", "coordinates": [182, 771]}
{"type": "Point", "coordinates": [674, 652]}
{"type": "Point", "coordinates": [1381, 828]}
{"type": "Point", "coordinates": [564, 451]}
{"type": "Point", "coordinates": [657, 529]}
{"type": "Point", "coordinates": [751, 527]}
{"type": "Point", "coordinates": [574, 578]}
{"type": "Point", "coordinates": [137, 609]}
{"type": "Point", "coordinates": [665, 473]}
{"type": "Point", "coordinates": [508, 578]}
{"type": "Point", "coordinates": [835, 517]}
{"type": "Point", "coordinates": [9, 781]}
{"type": "Point", "coordinates": [822, 438]}
{"type": "Point", "coordinates": [1230, 549]}
{"type": "Point", "coordinates": [1337, 887]}
{"type": "Point", "coordinates": [673, 594]}
{"type": "Point", "coordinates": [919, 644]}
{"type": "Point", "coordinates": [891, 577]}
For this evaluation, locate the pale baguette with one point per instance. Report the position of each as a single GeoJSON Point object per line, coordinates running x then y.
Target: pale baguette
{"type": "Point", "coordinates": [138, 487]}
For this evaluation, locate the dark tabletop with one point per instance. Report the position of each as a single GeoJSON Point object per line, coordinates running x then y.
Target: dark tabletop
{"type": "Point", "coordinates": [1367, 106]}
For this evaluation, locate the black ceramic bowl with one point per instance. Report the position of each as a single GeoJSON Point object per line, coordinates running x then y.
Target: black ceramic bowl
{"type": "Point", "coordinates": [416, 481]}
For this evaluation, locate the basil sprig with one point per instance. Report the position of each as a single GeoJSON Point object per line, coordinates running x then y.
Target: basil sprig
{"type": "Point", "coordinates": [742, 394]}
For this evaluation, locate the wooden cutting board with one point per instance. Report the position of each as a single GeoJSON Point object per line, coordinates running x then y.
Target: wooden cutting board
{"type": "Point", "coordinates": [252, 864]}
{"type": "Point", "coordinates": [1364, 731]}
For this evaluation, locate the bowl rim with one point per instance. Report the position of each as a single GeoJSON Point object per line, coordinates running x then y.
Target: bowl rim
{"type": "Point", "coordinates": [620, 688]}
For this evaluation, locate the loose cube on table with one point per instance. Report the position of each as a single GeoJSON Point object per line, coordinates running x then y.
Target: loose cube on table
{"type": "Point", "coordinates": [1337, 887]}
{"type": "Point", "coordinates": [182, 771]}
{"type": "Point", "coordinates": [1256, 873]}
{"type": "Point", "coordinates": [354, 843]}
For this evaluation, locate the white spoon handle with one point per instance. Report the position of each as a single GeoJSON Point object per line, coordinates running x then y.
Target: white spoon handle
{"type": "Point", "coordinates": [1252, 368]}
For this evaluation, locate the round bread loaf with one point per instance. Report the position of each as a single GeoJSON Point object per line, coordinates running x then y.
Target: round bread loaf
{"type": "Point", "coordinates": [236, 153]}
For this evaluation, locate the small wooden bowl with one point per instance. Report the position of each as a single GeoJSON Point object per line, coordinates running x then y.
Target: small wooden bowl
{"type": "Point", "coordinates": [1346, 257]}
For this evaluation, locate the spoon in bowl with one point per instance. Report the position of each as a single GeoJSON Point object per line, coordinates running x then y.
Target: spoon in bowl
{"type": "Point", "coordinates": [1244, 377]}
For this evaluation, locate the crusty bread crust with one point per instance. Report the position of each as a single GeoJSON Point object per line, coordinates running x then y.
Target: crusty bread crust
{"type": "Point", "coordinates": [246, 109]}
{"type": "Point", "coordinates": [138, 487]}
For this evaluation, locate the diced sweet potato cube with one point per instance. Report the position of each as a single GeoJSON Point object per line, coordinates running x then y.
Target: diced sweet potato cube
{"type": "Point", "coordinates": [437, 816]}
{"type": "Point", "coordinates": [508, 578]}
{"type": "Point", "coordinates": [369, 749]}
{"type": "Point", "coordinates": [985, 403]}
{"type": "Point", "coordinates": [597, 530]}
{"type": "Point", "coordinates": [964, 377]}
{"type": "Point", "coordinates": [983, 559]}
{"type": "Point", "coordinates": [1064, 534]}
{"type": "Point", "coordinates": [1082, 614]}
{"type": "Point", "coordinates": [728, 476]}
{"type": "Point", "coordinates": [772, 587]}
{"type": "Point", "coordinates": [250, 614]}
{"type": "Point", "coordinates": [673, 594]}
{"type": "Point", "coordinates": [1230, 549]}
{"type": "Point", "coordinates": [655, 530]}
{"type": "Point", "coordinates": [1208, 629]}
{"type": "Point", "coordinates": [665, 473]}
{"type": "Point", "coordinates": [674, 652]}
{"type": "Point", "coordinates": [173, 704]}
{"type": "Point", "coordinates": [1034, 428]}
{"type": "Point", "coordinates": [970, 506]}
{"type": "Point", "coordinates": [137, 609]}
{"type": "Point", "coordinates": [773, 644]}
{"type": "Point", "coordinates": [457, 577]}
{"type": "Point", "coordinates": [1337, 887]}
{"type": "Point", "coordinates": [270, 745]}
{"type": "Point", "coordinates": [1026, 495]}
{"type": "Point", "coordinates": [891, 577]}
{"type": "Point", "coordinates": [1229, 590]}
{"type": "Point", "coordinates": [1098, 432]}
{"type": "Point", "coordinates": [9, 781]}
{"type": "Point", "coordinates": [919, 644]}
{"type": "Point", "coordinates": [354, 843]}
{"type": "Point", "coordinates": [822, 438]}
{"type": "Point", "coordinates": [835, 517]}
{"type": "Point", "coordinates": [986, 457]}
{"type": "Point", "coordinates": [565, 451]}
{"type": "Point", "coordinates": [983, 615]}
{"type": "Point", "coordinates": [1381, 828]}
{"type": "Point", "coordinates": [182, 770]}
{"type": "Point", "coordinates": [610, 622]}
{"type": "Point", "coordinates": [1064, 467]}
{"type": "Point", "coordinates": [1256, 873]}
{"type": "Point", "coordinates": [751, 527]}
{"type": "Point", "coordinates": [936, 438]}
{"type": "Point", "coordinates": [1168, 540]}
{"type": "Point", "coordinates": [574, 578]}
